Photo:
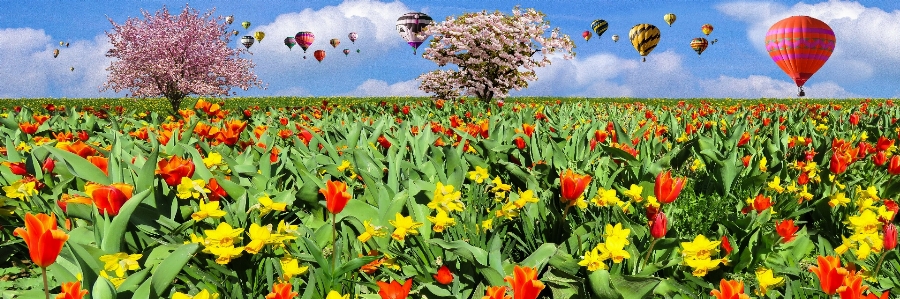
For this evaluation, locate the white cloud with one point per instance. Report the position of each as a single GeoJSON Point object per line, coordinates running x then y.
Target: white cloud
{"type": "Point", "coordinates": [756, 86]}
{"type": "Point", "coordinates": [378, 88]}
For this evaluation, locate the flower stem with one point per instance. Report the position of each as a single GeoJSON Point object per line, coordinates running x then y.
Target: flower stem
{"type": "Point", "coordinates": [647, 256]}
{"type": "Point", "coordinates": [878, 265]}
{"type": "Point", "coordinates": [46, 285]}
{"type": "Point", "coordinates": [333, 242]}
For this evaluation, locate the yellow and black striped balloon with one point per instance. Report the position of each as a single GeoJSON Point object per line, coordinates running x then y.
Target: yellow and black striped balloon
{"type": "Point", "coordinates": [599, 27]}
{"type": "Point", "coordinates": [644, 38]}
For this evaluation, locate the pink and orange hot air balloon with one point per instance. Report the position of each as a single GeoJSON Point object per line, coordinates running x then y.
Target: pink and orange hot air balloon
{"type": "Point", "coordinates": [800, 46]}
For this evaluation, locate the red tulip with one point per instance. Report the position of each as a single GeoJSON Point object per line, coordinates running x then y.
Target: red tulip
{"type": "Point", "coordinates": [384, 142]}
{"type": "Point", "coordinates": [894, 165]}
{"type": "Point", "coordinates": [281, 291]}
{"type": "Point", "coordinates": [42, 237]}
{"type": "Point", "coordinates": [730, 289]}
{"type": "Point", "coordinates": [893, 207]}
{"type": "Point", "coordinates": [100, 162]}
{"type": "Point", "coordinates": [444, 276]}
{"type": "Point", "coordinates": [216, 191]}
{"type": "Point", "coordinates": [854, 119]}
{"type": "Point", "coordinates": [174, 169]}
{"type": "Point", "coordinates": [890, 236]}
{"type": "Point", "coordinates": [885, 295]}
{"type": "Point", "coordinates": [572, 186]}
{"type": "Point", "coordinates": [394, 290]}
{"type": "Point", "coordinates": [744, 139]}
{"type": "Point", "coordinates": [786, 229]}
{"type": "Point", "coordinates": [71, 290]}
{"type": "Point", "coordinates": [525, 284]}
{"type": "Point", "coordinates": [110, 199]}
{"type": "Point", "coordinates": [17, 168]}
{"type": "Point", "coordinates": [879, 158]}
{"type": "Point", "coordinates": [658, 225]}
{"type": "Point", "coordinates": [667, 189]}
{"type": "Point", "coordinates": [49, 165]}
{"type": "Point", "coordinates": [28, 128]}
{"type": "Point", "coordinates": [884, 143]}
{"type": "Point", "coordinates": [746, 160]}
{"type": "Point", "coordinates": [336, 196]}
{"type": "Point", "coordinates": [839, 163]}
{"type": "Point", "coordinates": [520, 143]}
{"type": "Point", "coordinates": [83, 136]}
{"type": "Point", "coordinates": [831, 274]}
{"type": "Point", "coordinates": [726, 245]}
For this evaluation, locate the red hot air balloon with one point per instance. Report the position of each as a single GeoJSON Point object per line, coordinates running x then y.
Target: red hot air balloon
{"type": "Point", "coordinates": [346, 52]}
{"type": "Point", "coordinates": [319, 54]}
{"type": "Point", "coordinates": [800, 45]}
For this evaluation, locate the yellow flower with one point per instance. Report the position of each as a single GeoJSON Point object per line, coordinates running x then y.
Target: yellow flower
{"type": "Point", "coordinates": [344, 166]}
{"type": "Point", "coordinates": [884, 214]}
{"type": "Point", "coordinates": [775, 185]}
{"type": "Point", "coordinates": [702, 265]}
{"type": "Point", "coordinates": [593, 260]}
{"type": "Point", "coordinates": [20, 190]}
{"type": "Point", "coordinates": [188, 188]}
{"type": "Point", "coordinates": [210, 209]}
{"type": "Point", "coordinates": [865, 223]}
{"type": "Point", "coordinates": [652, 202]}
{"type": "Point", "coordinates": [525, 198]}
{"type": "Point", "coordinates": [863, 136]}
{"type": "Point", "coordinates": [212, 160]}
{"type": "Point", "coordinates": [635, 193]}
{"type": "Point", "coordinates": [223, 235]}
{"type": "Point", "coordinates": [870, 192]}
{"type": "Point", "coordinates": [700, 248]}
{"type": "Point", "coordinates": [23, 147]}
{"type": "Point", "coordinates": [838, 199]}
{"type": "Point", "coordinates": [259, 236]}
{"type": "Point", "coordinates": [682, 138]}
{"type": "Point", "coordinates": [120, 262]}
{"type": "Point", "coordinates": [763, 164]}
{"type": "Point", "coordinates": [441, 221]}
{"type": "Point", "coordinates": [616, 233]}
{"type": "Point", "coordinates": [767, 280]}
{"type": "Point", "coordinates": [508, 210]}
{"type": "Point", "coordinates": [404, 226]}
{"type": "Point", "coordinates": [116, 281]}
{"type": "Point", "coordinates": [336, 295]}
{"type": "Point", "coordinates": [696, 165]}
{"type": "Point", "coordinates": [500, 186]}
{"type": "Point", "coordinates": [487, 224]}
{"type": "Point", "coordinates": [224, 254]}
{"type": "Point", "coordinates": [266, 205]}
{"type": "Point", "coordinates": [606, 197]}
{"type": "Point", "coordinates": [371, 231]}
{"type": "Point", "coordinates": [805, 195]}
{"type": "Point", "coordinates": [204, 294]}
{"type": "Point", "coordinates": [792, 187]}
{"type": "Point", "coordinates": [290, 268]}
{"type": "Point", "coordinates": [615, 249]}
{"type": "Point", "coordinates": [478, 175]}
{"type": "Point", "coordinates": [446, 199]}
{"type": "Point", "coordinates": [821, 128]}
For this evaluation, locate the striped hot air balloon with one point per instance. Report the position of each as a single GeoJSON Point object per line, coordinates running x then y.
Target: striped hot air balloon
{"type": "Point", "coordinates": [699, 45]}
{"type": "Point", "coordinates": [586, 35]}
{"type": "Point", "coordinates": [411, 26]}
{"type": "Point", "coordinates": [669, 18]}
{"type": "Point", "coordinates": [290, 42]}
{"type": "Point", "coordinates": [599, 26]}
{"type": "Point", "coordinates": [304, 39]}
{"type": "Point", "coordinates": [707, 29]}
{"type": "Point", "coordinates": [644, 38]}
{"type": "Point", "coordinates": [334, 42]}
{"type": "Point", "coordinates": [247, 41]}
{"type": "Point", "coordinates": [615, 38]}
{"type": "Point", "coordinates": [800, 46]}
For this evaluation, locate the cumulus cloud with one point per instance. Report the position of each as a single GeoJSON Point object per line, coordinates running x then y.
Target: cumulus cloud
{"type": "Point", "coordinates": [866, 43]}
{"type": "Point", "coordinates": [756, 86]}
{"type": "Point", "coordinates": [378, 88]}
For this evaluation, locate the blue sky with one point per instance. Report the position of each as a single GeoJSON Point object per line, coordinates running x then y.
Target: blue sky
{"type": "Point", "coordinates": [737, 66]}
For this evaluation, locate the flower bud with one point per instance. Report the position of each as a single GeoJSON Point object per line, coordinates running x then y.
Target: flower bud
{"type": "Point", "coordinates": [658, 225]}
{"type": "Point", "coordinates": [890, 236]}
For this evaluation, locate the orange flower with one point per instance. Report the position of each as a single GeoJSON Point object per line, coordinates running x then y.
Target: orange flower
{"type": "Point", "coordinates": [572, 186]}
{"type": "Point", "coordinates": [894, 165]}
{"type": "Point", "coordinates": [524, 283]}
{"type": "Point", "coordinates": [885, 295]}
{"type": "Point", "coordinates": [66, 199]}
{"type": "Point", "coordinates": [667, 189]}
{"type": "Point", "coordinates": [174, 169]}
{"type": "Point", "coordinates": [100, 162]}
{"type": "Point", "coordinates": [786, 229]}
{"type": "Point", "coordinates": [336, 196]}
{"type": "Point", "coordinates": [285, 133]}
{"type": "Point", "coordinates": [43, 239]}
{"type": "Point", "coordinates": [63, 136]}
{"type": "Point", "coordinates": [202, 129]}
{"type": "Point", "coordinates": [732, 289]}
{"type": "Point", "coordinates": [40, 119]}
{"type": "Point", "coordinates": [28, 128]}
{"type": "Point", "coordinates": [109, 199]}
{"type": "Point", "coordinates": [17, 168]}
{"type": "Point", "coordinates": [495, 293]}
{"type": "Point", "coordinates": [215, 190]}
{"type": "Point", "coordinates": [81, 149]}
{"type": "Point", "coordinates": [830, 273]}
{"type": "Point", "coordinates": [281, 291]}
{"type": "Point", "coordinates": [444, 276]}
{"type": "Point", "coordinates": [760, 204]}
{"type": "Point", "coordinates": [852, 288]}
{"type": "Point", "coordinates": [71, 290]}
{"type": "Point", "coordinates": [744, 139]}
{"type": "Point", "coordinates": [394, 290]}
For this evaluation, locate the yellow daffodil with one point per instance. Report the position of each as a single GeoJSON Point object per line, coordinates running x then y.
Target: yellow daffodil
{"type": "Point", "coordinates": [259, 236]}
{"type": "Point", "coordinates": [223, 235]}
{"type": "Point", "coordinates": [615, 249]}
{"type": "Point", "coordinates": [210, 209]}
{"type": "Point", "coordinates": [838, 199]}
{"type": "Point", "coordinates": [763, 164]}
{"type": "Point", "coordinates": [344, 166]}
{"type": "Point", "coordinates": [696, 165]}
{"type": "Point", "coordinates": [204, 294]}
{"type": "Point", "coordinates": [525, 198]}
{"type": "Point", "coordinates": [116, 281]}
{"type": "Point", "coordinates": [884, 214]}
{"type": "Point", "coordinates": [616, 233]}
{"type": "Point", "coordinates": [441, 221]}
{"type": "Point", "coordinates": [290, 268]}
{"type": "Point", "coordinates": [23, 147]}
{"type": "Point", "coordinates": [404, 226]}
{"type": "Point", "coordinates": [336, 295]}
{"type": "Point", "coordinates": [499, 186]}
{"type": "Point", "coordinates": [371, 231]}
{"type": "Point", "coordinates": [700, 248]}
{"type": "Point", "coordinates": [487, 224]}
{"type": "Point", "coordinates": [224, 254]}
{"type": "Point", "coordinates": [20, 190]}
{"type": "Point", "coordinates": [446, 199]}
{"type": "Point", "coordinates": [266, 205]}
{"type": "Point", "coordinates": [593, 260]}
{"type": "Point", "coordinates": [634, 192]}
{"type": "Point", "coordinates": [120, 262]}
{"type": "Point", "coordinates": [191, 188]}
{"type": "Point", "coordinates": [212, 160]}
{"type": "Point", "coordinates": [478, 175]}
{"type": "Point", "coordinates": [767, 280]}
{"type": "Point", "coordinates": [866, 223]}
{"type": "Point", "coordinates": [701, 266]}
{"type": "Point", "coordinates": [606, 197]}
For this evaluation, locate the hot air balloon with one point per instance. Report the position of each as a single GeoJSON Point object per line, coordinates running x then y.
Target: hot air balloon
{"type": "Point", "coordinates": [247, 41]}
{"type": "Point", "coordinates": [61, 43]}
{"type": "Point", "coordinates": [67, 45]}
{"type": "Point", "coordinates": [586, 35]}
{"type": "Point", "coordinates": [699, 45]}
{"type": "Point", "coordinates": [352, 37]}
{"type": "Point", "coordinates": [72, 69]}
{"type": "Point", "coordinates": [599, 27]}
{"type": "Point", "coordinates": [319, 54]}
{"type": "Point", "coordinates": [259, 35]}
{"type": "Point", "coordinates": [411, 25]}
{"type": "Point", "coordinates": [357, 51]}
{"type": "Point", "coordinates": [706, 28]}
{"type": "Point", "coordinates": [669, 18]}
{"type": "Point", "coordinates": [55, 53]}
{"type": "Point", "coordinates": [229, 20]}
{"type": "Point", "coordinates": [245, 24]}
{"type": "Point", "coordinates": [290, 42]}
{"type": "Point", "coordinates": [800, 46]}
{"type": "Point", "coordinates": [304, 39]}
{"type": "Point", "coordinates": [713, 42]}
{"type": "Point", "coordinates": [235, 32]}
{"type": "Point", "coordinates": [346, 52]}
{"type": "Point", "coordinates": [334, 42]}
{"type": "Point", "coordinates": [644, 38]}
{"type": "Point", "coordinates": [615, 38]}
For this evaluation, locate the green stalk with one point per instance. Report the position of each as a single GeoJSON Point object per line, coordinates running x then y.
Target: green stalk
{"type": "Point", "coordinates": [333, 243]}
{"type": "Point", "coordinates": [878, 265]}
{"type": "Point", "coordinates": [647, 255]}
{"type": "Point", "coordinates": [46, 285]}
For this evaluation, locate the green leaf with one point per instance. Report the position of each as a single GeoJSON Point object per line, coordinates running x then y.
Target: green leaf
{"type": "Point", "coordinates": [170, 267]}
{"type": "Point", "coordinates": [464, 250]}
{"type": "Point", "coordinates": [354, 264]}
{"type": "Point", "coordinates": [599, 282]}
{"type": "Point", "coordinates": [103, 289]}
{"type": "Point", "coordinates": [80, 167]}
{"type": "Point", "coordinates": [112, 239]}
{"type": "Point", "coordinates": [540, 257]}
{"type": "Point", "coordinates": [634, 287]}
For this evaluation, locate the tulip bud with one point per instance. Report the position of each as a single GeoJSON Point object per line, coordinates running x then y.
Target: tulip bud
{"type": "Point", "coordinates": [894, 165]}
{"type": "Point", "coordinates": [658, 225]}
{"type": "Point", "coordinates": [879, 158]}
{"type": "Point", "coordinates": [49, 164]}
{"type": "Point", "coordinates": [890, 236]}
{"type": "Point", "coordinates": [854, 119]}
{"type": "Point", "coordinates": [17, 168]}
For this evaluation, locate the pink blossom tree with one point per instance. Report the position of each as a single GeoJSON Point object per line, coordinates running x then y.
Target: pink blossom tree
{"type": "Point", "coordinates": [176, 56]}
{"type": "Point", "coordinates": [494, 52]}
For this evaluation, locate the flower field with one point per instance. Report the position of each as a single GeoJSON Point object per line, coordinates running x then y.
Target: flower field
{"type": "Point", "coordinates": [397, 198]}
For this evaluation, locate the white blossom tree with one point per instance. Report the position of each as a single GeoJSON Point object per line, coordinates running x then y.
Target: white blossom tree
{"type": "Point", "coordinates": [176, 56]}
{"type": "Point", "coordinates": [494, 52]}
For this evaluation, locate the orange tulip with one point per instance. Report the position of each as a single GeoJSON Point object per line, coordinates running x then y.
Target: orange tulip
{"type": "Point", "coordinates": [71, 290]}
{"type": "Point", "coordinates": [444, 276]}
{"type": "Point", "coordinates": [852, 288]}
{"type": "Point", "coordinates": [100, 162]}
{"type": "Point", "coordinates": [667, 189]}
{"type": "Point", "coordinates": [759, 204]}
{"type": "Point", "coordinates": [885, 295]}
{"type": "Point", "coordinates": [572, 186]}
{"type": "Point", "coordinates": [66, 199]}
{"type": "Point", "coordinates": [40, 119]}
{"type": "Point", "coordinates": [495, 293]}
{"type": "Point", "coordinates": [216, 191]}
{"type": "Point", "coordinates": [281, 291]}
{"type": "Point", "coordinates": [109, 199]}
{"type": "Point", "coordinates": [81, 149]}
{"type": "Point", "coordinates": [28, 128]}
{"type": "Point", "coordinates": [786, 229]}
{"type": "Point", "coordinates": [524, 283]}
{"type": "Point", "coordinates": [174, 169]}
{"type": "Point", "coordinates": [730, 289]}
{"type": "Point", "coordinates": [394, 290]}
{"type": "Point", "coordinates": [894, 165]}
{"type": "Point", "coordinates": [744, 139]}
{"type": "Point", "coordinates": [831, 274]}
{"type": "Point", "coordinates": [63, 136]}
{"type": "Point", "coordinates": [43, 239]}
{"type": "Point", "coordinates": [336, 196]}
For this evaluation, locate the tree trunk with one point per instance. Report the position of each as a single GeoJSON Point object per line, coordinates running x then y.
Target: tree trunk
{"type": "Point", "coordinates": [175, 100]}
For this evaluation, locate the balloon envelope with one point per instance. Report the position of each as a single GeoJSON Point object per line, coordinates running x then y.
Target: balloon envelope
{"type": "Point", "coordinates": [247, 41]}
{"type": "Point", "coordinates": [599, 27]}
{"type": "Point", "coordinates": [352, 37]}
{"type": "Point", "coordinates": [245, 24]}
{"type": "Point", "coordinates": [346, 52]}
{"type": "Point", "coordinates": [334, 42]}
{"type": "Point", "coordinates": [800, 45]}
{"type": "Point", "coordinates": [706, 28]}
{"type": "Point", "coordinates": [55, 53]}
{"type": "Point", "coordinates": [229, 20]}
{"type": "Point", "coordinates": [304, 39]}
{"type": "Point", "coordinates": [669, 18]}
{"type": "Point", "coordinates": [586, 35]}
{"type": "Point", "coordinates": [319, 54]}
{"type": "Point", "coordinates": [644, 38]}
{"type": "Point", "coordinates": [259, 35]}
{"type": "Point", "coordinates": [290, 42]}
{"type": "Point", "coordinates": [615, 38]}
{"type": "Point", "coordinates": [699, 45]}
{"type": "Point", "coordinates": [411, 25]}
